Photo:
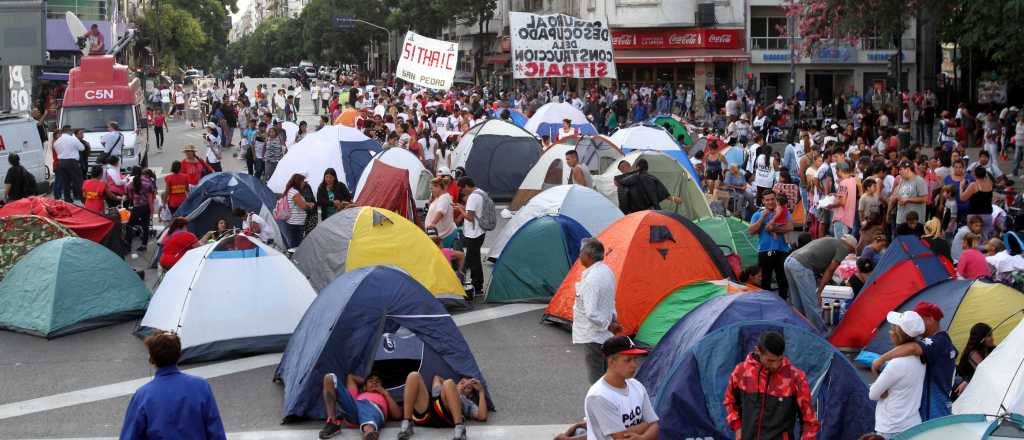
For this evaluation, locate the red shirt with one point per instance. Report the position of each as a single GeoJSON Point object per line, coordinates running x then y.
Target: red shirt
{"type": "Point", "coordinates": [193, 170]}
{"type": "Point", "coordinates": [175, 247]}
{"type": "Point", "coordinates": [93, 191]}
{"type": "Point", "coordinates": [177, 189]}
{"type": "Point", "coordinates": [160, 121]}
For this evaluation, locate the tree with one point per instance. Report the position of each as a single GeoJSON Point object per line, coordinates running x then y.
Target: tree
{"type": "Point", "coordinates": [822, 22]}
{"type": "Point", "coordinates": [212, 16]}
{"type": "Point", "coordinates": [989, 29]}
{"type": "Point", "coordinates": [479, 13]}
{"type": "Point", "coordinates": [176, 37]}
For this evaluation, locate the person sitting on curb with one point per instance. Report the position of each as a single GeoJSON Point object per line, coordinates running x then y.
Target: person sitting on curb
{"type": "Point", "coordinates": [369, 407]}
{"type": "Point", "coordinates": [446, 406]}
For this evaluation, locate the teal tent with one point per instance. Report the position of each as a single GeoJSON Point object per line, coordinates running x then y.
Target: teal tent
{"type": "Point", "coordinates": [732, 232]}
{"type": "Point", "coordinates": [67, 286]}
{"type": "Point", "coordinates": [536, 260]}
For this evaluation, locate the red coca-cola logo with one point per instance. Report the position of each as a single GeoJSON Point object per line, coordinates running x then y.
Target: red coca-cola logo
{"type": "Point", "coordinates": [623, 40]}
{"type": "Point", "coordinates": [652, 40]}
{"type": "Point", "coordinates": [684, 39]}
{"type": "Point", "coordinates": [720, 38]}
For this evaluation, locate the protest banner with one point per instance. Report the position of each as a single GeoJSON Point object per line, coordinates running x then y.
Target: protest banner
{"type": "Point", "coordinates": [560, 46]}
{"type": "Point", "coordinates": [427, 62]}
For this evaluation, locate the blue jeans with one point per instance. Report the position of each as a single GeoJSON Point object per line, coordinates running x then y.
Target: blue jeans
{"type": "Point", "coordinates": [293, 234]}
{"type": "Point", "coordinates": [803, 291]}
{"type": "Point", "coordinates": [839, 229]}
{"type": "Point", "coordinates": [1018, 155]}
{"type": "Point", "coordinates": [360, 412]}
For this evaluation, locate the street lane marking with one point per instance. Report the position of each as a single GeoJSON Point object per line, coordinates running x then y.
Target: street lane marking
{"type": "Point", "coordinates": [485, 432]}
{"type": "Point", "coordinates": [127, 388]}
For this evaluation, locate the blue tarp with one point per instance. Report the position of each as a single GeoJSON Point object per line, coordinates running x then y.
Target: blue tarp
{"type": "Point", "coordinates": [550, 129]}
{"type": "Point", "coordinates": [341, 331]}
{"type": "Point", "coordinates": [515, 116]}
{"type": "Point", "coordinates": [687, 372]}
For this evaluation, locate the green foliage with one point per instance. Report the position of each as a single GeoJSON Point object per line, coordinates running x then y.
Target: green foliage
{"type": "Point", "coordinates": [176, 37]}
{"type": "Point", "coordinates": [991, 28]}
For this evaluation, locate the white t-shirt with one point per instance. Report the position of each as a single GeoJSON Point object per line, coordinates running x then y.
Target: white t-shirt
{"type": "Point", "coordinates": [611, 410]}
{"type": "Point", "coordinates": [428, 145]}
{"type": "Point", "coordinates": [903, 378]}
{"type": "Point", "coordinates": [594, 308]}
{"type": "Point", "coordinates": [474, 203]}
{"type": "Point", "coordinates": [179, 97]}
{"type": "Point", "coordinates": [165, 96]}
{"type": "Point", "coordinates": [443, 206]}
{"type": "Point", "coordinates": [265, 234]}
{"type": "Point", "coordinates": [212, 148]}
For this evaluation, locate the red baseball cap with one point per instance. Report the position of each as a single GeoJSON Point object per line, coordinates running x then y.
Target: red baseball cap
{"type": "Point", "coordinates": [928, 310]}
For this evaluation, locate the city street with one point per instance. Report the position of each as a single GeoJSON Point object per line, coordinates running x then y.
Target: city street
{"type": "Point", "coordinates": [532, 370]}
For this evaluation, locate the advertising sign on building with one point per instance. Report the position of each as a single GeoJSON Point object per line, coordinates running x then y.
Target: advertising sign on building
{"type": "Point", "coordinates": [677, 39]}
{"type": "Point", "coordinates": [427, 62]}
{"type": "Point", "coordinates": [560, 46]}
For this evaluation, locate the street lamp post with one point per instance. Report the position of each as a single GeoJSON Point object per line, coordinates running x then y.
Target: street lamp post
{"type": "Point", "coordinates": [388, 31]}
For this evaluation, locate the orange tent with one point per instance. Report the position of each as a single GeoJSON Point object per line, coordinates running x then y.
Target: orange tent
{"type": "Point", "coordinates": [652, 253]}
{"type": "Point", "coordinates": [348, 117]}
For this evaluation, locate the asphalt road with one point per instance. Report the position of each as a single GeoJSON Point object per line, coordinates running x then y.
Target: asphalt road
{"type": "Point", "coordinates": [534, 373]}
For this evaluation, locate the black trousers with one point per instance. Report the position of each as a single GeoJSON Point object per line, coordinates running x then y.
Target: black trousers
{"type": "Point", "coordinates": [771, 264]}
{"type": "Point", "coordinates": [476, 268]}
{"type": "Point", "coordinates": [595, 361]}
{"type": "Point", "coordinates": [159, 132]}
{"type": "Point", "coordinates": [141, 216]}
{"type": "Point", "coordinates": [70, 172]}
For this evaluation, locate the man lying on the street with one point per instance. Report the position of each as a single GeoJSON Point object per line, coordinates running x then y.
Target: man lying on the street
{"type": "Point", "coordinates": [368, 408]}
{"type": "Point", "coordinates": [445, 406]}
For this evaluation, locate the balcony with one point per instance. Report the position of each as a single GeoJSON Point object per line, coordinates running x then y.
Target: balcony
{"type": "Point", "coordinates": [90, 10]}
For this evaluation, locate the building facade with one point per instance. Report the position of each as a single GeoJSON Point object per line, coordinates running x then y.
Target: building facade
{"type": "Point", "coordinates": [841, 67]}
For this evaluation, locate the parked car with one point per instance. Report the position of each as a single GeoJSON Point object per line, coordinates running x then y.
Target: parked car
{"type": "Point", "coordinates": [278, 72]}
{"type": "Point", "coordinates": [310, 72]}
{"type": "Point", "coordinates": [18, 134]}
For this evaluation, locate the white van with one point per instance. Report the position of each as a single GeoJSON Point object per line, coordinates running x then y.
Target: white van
{"type": "Point", "coordinates": [18, 134]}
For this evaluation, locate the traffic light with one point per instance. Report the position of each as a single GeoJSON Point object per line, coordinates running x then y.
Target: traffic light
{"type": "Point", "coordinates": [894, 66]}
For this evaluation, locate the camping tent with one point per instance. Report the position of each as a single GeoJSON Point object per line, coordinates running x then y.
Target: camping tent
{"type": "Point", "coordinates": [82, 222]}
{"type": "Point", "coordinates": [582, 204]}
{"type": "Point", "coordinates": [365, 236]}
{"type": "Point", "coordinates": [389, 190]}
{"type": "Point", "coordinates": [341, 331]}
{"type": "Point", "coordinates": [343, 148]}
{"type": "Point", "coordinates": [515, 116]}
{"type": "Point", "coordinates": [552, 170]}
{"type": "Point", "coordinates": [218, 194]}
{"type": "Point", "coordinates": [651, 253]}
{"type": "Point", "coordinates": [646, 137]}
{"type": "Point", "coordinates": [906, 267]}
{"type": "Point", "coordinates": [998, 383]}
{"type": "Point", "coordinates": [69, 285]}
{"type": "Point", "coordinates": [536, 259]}
{"type": "Point", "coordinates": [291, 130]}
{"type": "Point", "coordinates": [349, 118]}
{"type": "Point", "coordinates": [674, 126]}
{"type": "Point", "coordinates": [19, 234]}
{"type": "Point", "coordinates": [731, 232]}
{"type": "Point", "coordinates": [681, 302]}
{"type": "Point", "coordinates": [688, 372]}
{"type": "Point", "coordinates": [963, 303]}
{"type": "Point", "coordinates": [497, 155]}
{"type": "Point", "coordinates": [967, 427]}
{"type": "Point", "coordinates": [670, 173]}
{"type": "Point", "coordinates": [418, 176]}
{"type": "Point", "coordinates": [548, 119]}
{"type": "Point", "coordinates": [596, 153]}
{"type": "Point", "coordinates": [234, 297]}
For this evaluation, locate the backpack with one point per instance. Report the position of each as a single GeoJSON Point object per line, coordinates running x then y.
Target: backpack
{"type": "Point", "coordinates": [282, 210]}
{"type": "Point", "coordinates": [488, 219]}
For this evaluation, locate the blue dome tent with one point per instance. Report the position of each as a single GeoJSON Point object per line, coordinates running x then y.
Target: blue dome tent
{"type": "Point", "coordinates": [218, 194]}
{"type": "Point", "coordinates": [352, 320]}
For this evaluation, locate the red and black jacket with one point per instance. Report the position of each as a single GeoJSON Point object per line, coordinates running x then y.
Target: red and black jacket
{"type": "Point", "coordinates": [767, 404]}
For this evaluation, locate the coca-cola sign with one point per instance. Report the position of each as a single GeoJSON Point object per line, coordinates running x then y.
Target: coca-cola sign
{"type": "Point", "coordinates": [677, 38]}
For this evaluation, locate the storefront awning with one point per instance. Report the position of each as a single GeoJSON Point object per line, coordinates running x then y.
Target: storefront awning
{"type": "Point", "coordinates": [497, 59]}
{"type": "Point", "coordinates": [53, 76]}
{"type": "Point", "coordinates": [680, 56]}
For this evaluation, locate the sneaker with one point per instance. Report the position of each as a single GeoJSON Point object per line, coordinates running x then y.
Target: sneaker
{"type": "Point", "coordinates": [406, 432]}
{"type": "Point", "coordinates": [459, 433]}
{"type": "Point", "coordinates": [330, 429]}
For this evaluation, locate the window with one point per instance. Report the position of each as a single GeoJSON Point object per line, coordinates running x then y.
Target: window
{"type": "Point", "coordinates": [768, 33]}
{"type": "Point", "coordinates": [95, 118]}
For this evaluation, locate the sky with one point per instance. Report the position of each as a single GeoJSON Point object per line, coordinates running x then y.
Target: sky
{"type": "Point", "coordinates": [242, 6]}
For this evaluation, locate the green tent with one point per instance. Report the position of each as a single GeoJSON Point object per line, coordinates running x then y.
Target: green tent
{"type": "Point", "coordinates": [67, 286]}
{"type": "Point", "coordinates": [675, 306]}
{"type": "Point", "coordinates": [673, 126]}
{"type": "Point", "coordinates": [732, 232]}
{"type": "Point", "coordinates": [536, 259]}
{"type": "Point", "coordinates": [19, 234]}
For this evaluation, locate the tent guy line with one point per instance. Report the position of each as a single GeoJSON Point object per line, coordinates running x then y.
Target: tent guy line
{"type": "Point", "coordinates": [126, 388]}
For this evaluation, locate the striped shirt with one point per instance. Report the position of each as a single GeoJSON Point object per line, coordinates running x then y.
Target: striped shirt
{"type": "Point", "coordinates": [297, 215]}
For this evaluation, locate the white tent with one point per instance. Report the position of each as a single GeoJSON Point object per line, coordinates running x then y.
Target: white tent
{"type": "Point", "coordinates": [550, 170]}
{"type": "Point", "coordinates": [345, 149]}
{"type": "Point", "coordinates": [419, 177]}
{"type": "Point", "coordinates": [998, 383]}
{"type": "Point", "coordinates": [549, 118]}
{"type": "Point", "coordinates": [233, 297]}
{"type": "Point", "coordinates": [671, 173]}
{"type": "Point", "coordinates": [291, 130]}
{"type": "Point", "coordinates": [588, 207]}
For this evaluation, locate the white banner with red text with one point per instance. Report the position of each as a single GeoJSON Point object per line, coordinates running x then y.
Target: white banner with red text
{"type": "Point", "coordinates": [560, 46]}
{"type": "Point", "coordinates": [427, 62]}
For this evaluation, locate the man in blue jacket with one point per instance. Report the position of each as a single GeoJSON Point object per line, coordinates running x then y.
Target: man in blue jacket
{"type": "Point", "coordinates": [173, 405]}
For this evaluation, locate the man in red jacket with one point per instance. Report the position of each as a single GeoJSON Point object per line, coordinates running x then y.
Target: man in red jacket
{"type": "Point", "coordinates": [767, 395]}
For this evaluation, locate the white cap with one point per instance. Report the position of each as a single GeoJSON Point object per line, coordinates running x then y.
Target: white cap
{"type": "Point", "coordinates": [910, 322]}
{"type": "Point", "coordinates": [443, 171]}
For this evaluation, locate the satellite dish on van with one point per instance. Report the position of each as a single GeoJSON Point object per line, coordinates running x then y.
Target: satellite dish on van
{"type": "Point", "coordinates": [77, 31]}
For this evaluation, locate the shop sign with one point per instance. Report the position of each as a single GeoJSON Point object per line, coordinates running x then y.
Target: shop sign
{"type": "Point", "coordinates": [834, 54]}
{"type": "Point", "coordinates": [882, 57]}
{"type": "Point", "coordinates": [775, 57]}
{"type": "Point", "coordinates": [697, 38]}
{"type": "Point", "coordinates": [427, 62]}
